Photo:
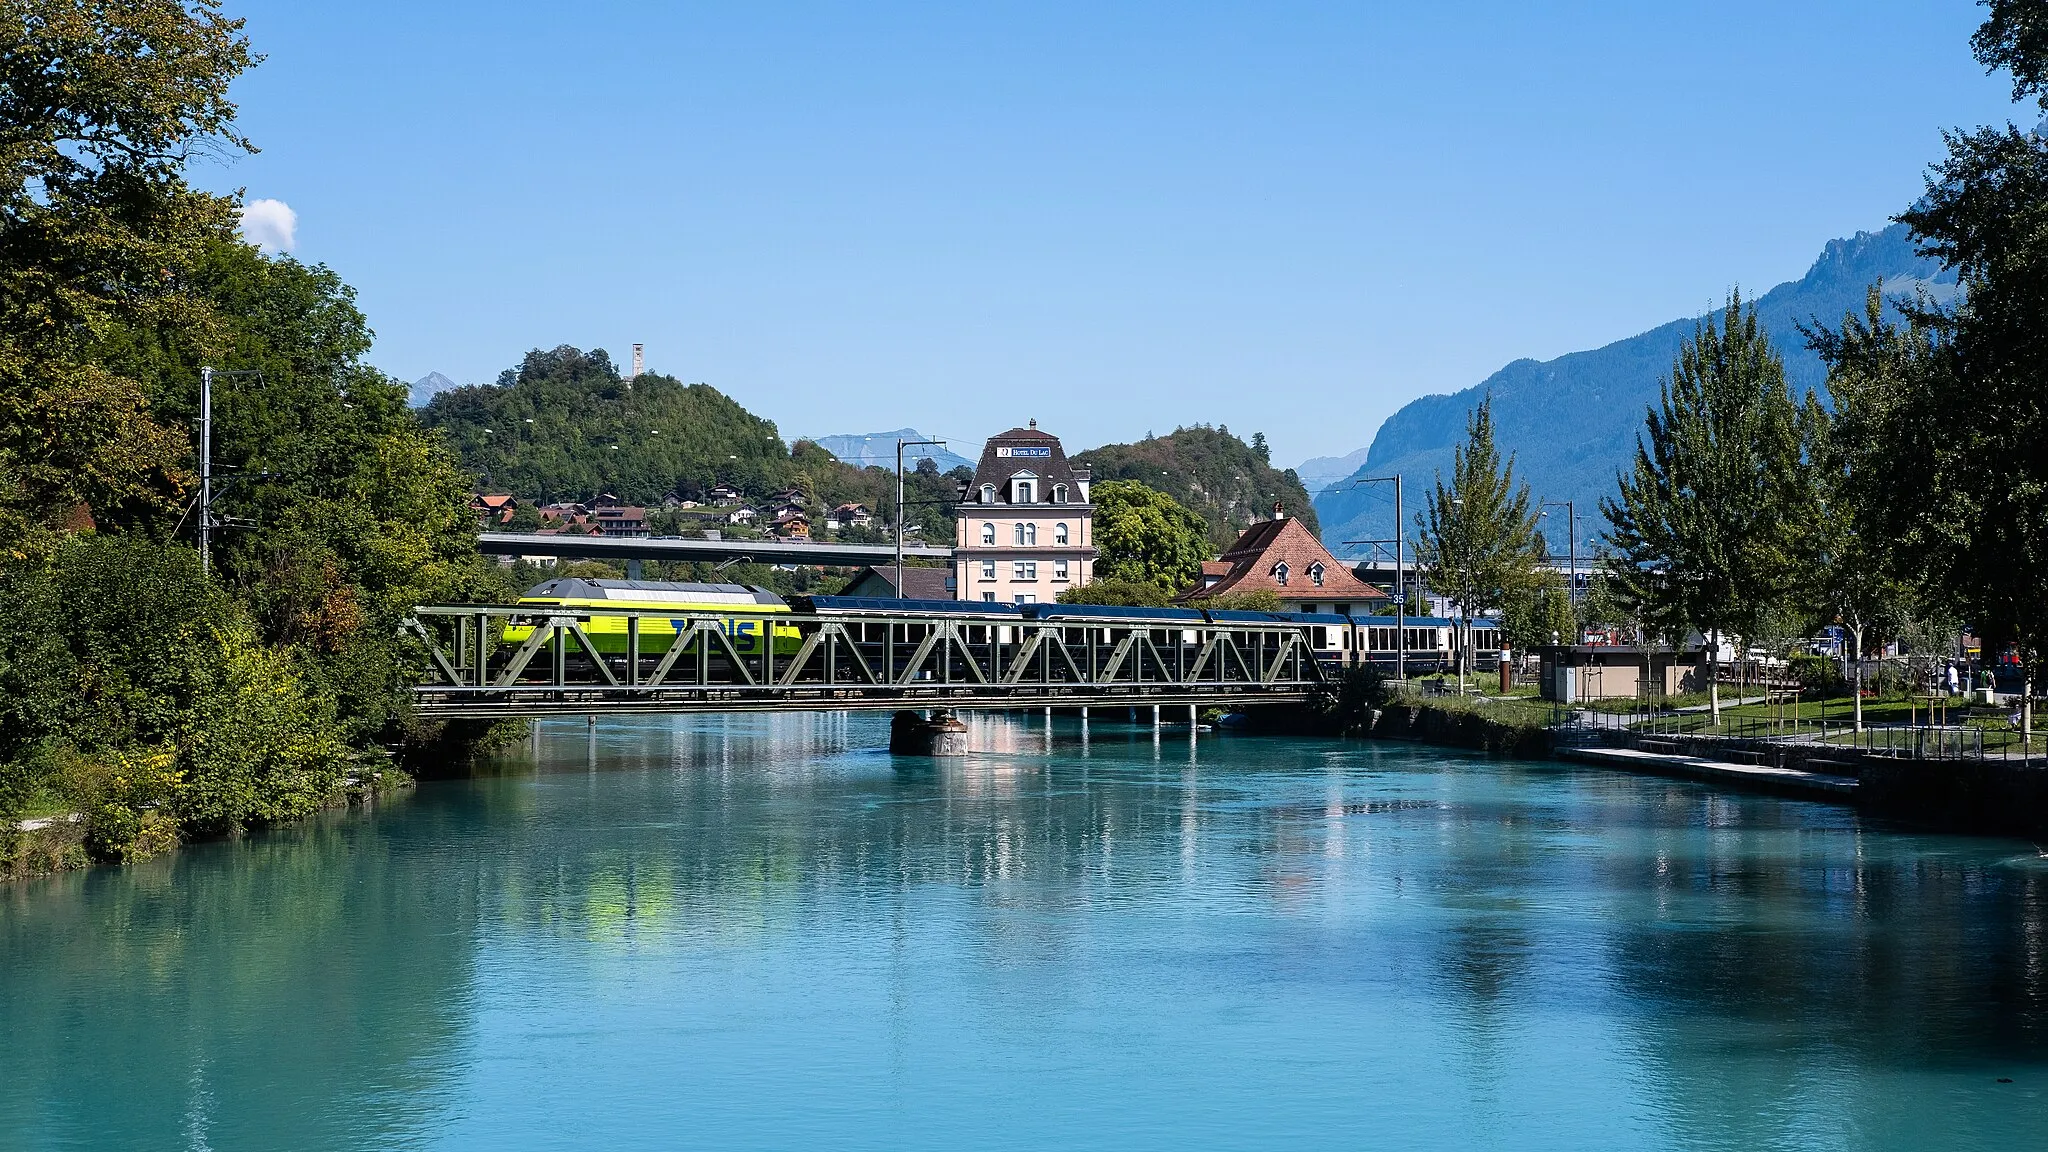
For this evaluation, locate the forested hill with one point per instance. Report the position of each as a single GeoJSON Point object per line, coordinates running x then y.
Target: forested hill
{"type": "Point", "coordinates": [1228, 482]}
{"type": "Point", "coordinates": [1572, 421]}
{"type": "Point", "coordinates": [564, 425]}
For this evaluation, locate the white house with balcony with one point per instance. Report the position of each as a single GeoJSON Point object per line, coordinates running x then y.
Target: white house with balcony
{"type": "Point", "coordinates": [1025, 528]}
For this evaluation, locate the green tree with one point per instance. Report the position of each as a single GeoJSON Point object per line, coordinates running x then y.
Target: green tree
{"type": "Point", "coordinates": [1144, 536]}
{"type": "Point", "coordinates": [1973, 420]}
{"type": "Point", "coordinates": [1863, 573]}
{"type": "Point", "coordinates": [1538, 611]}
{"type": "Point", "coordinates": [1118, 593]}
{"type": "Point", "coordinates": [1709, 524]}
{"type": "Point", "coordinates": [1228, 483]}
{"type": "Point", "coordinates": [101, 105]}
{"type": "Point", "coordinates": [1478, 543]}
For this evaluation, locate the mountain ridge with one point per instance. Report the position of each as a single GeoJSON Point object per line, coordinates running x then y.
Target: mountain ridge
{"type": "Point", "coordinates": [1571, 421]}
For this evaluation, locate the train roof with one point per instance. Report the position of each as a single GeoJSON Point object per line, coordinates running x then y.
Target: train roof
{"type": "Point", "coordinates": [892, 604]}
{"type": "Point", "coordinates": [650, 591]}
{"type": "Point", "coordinates": [1422, 621]}
{"type": "Point", "coordinates": [1108, 612]}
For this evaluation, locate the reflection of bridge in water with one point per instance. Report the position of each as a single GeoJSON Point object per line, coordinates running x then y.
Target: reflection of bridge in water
{"type": "Point", "coordinates": [537, 660]}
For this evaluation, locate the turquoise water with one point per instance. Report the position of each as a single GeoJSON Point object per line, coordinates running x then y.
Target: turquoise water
{"type": "Point", "coordinates": [757, 932]}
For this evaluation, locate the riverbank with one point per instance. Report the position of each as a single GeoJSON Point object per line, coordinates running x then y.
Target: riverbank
{"type": "Point", "coordinates": [1991, 796]}
{"type": "Point", "coordinates": [64, 841]}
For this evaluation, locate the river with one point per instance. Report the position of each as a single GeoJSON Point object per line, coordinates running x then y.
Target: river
{"type": "Point", "coordinates": [763, 932]}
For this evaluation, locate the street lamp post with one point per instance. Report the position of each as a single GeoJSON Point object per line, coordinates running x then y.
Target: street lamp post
{"type": "Point", "coordinates": [1400, 582]}
{"type": "Point", "coordinates": [900, 446]}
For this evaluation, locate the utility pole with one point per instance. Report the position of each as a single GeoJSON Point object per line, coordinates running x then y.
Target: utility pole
{"type": "Point", "coordinates": [1400, 580]}
{"type": "Point", "coordinates": [1572, 537]}
{"type": "Point", "coordinates": [900, 446]}
{"type": "Point", "coordinates": [206, 521]}
{"type": "Point", "coordinates": [205, 469]}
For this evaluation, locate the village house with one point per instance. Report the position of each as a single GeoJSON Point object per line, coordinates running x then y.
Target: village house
{"type": "Point", "coordinates": [493, 509]}
{"type": "Point", "coordinates": [623, 520]}
{"type": "Point", "coordinates": [791, 526]}
{"type": "Point", "coordinates": [879, 580]}
{"type": "Point", "coordinates": [723, 495]}
{"type": "Point", "coordinates": [1025, 529]}
{"type": "Point", "coordinates": [741, 515]}
{"type": "Point", "coordinates": [850, 516]}
{"type": "Point", "coordinates": [1283, 557]}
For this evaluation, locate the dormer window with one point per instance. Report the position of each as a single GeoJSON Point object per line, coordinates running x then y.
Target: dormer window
{"type": "Point", "coordinates": [1315, 574]}
{"type": "Point", "coordinates": [1023, 488]}
{"type": "Point", "coordinates": [988, 493]}
{"type": "Point", "coordinates": [1280, 573]}
{"type": "Point", "coordinates": [1059, 493]}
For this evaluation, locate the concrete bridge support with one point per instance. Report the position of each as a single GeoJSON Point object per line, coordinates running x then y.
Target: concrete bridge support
{"type": "Point", "coordinates": [910, 734]}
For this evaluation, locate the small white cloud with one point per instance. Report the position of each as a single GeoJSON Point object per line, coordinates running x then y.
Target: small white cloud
{"type": "Point", "coordinates": [270, 225]}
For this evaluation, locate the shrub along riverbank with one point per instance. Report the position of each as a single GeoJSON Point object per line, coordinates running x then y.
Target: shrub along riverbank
{"type": "Point", "coordinates": [155, 701]}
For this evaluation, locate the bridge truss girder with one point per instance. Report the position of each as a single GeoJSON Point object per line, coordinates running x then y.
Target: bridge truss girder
{"type": "Point", "coordinates": [694, 662]}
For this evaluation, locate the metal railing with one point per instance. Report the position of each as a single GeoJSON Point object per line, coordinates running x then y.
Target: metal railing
{"type": "Point", "coordinates": [524, 660]}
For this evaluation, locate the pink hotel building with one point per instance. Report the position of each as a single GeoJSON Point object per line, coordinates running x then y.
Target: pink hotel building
{"type": "Point", "coordinates": [1025, 527]}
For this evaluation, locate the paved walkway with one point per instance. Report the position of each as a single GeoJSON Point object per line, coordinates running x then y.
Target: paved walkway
{"type": "Point", "coordinates": [1763, 777]}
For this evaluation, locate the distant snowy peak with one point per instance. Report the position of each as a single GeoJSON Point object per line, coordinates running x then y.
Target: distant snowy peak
{"type": "Point", "coordinates": [427, 387]}
{"type": "Point", "coordinates": [878, 450]}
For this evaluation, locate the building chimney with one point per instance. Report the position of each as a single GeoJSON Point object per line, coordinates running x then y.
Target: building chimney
{"type": "Point", "coordinates": [1279, 512]}
{"type": "Point", "coordinates": [639, 362]}
{"type": "Point", "coordinates": [1034, 421]}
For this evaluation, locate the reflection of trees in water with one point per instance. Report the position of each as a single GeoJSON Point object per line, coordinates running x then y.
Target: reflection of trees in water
{"type": "Point", "coordinates": [250, 994]}
{"type": "Point", "coordinates": [1792, 969]}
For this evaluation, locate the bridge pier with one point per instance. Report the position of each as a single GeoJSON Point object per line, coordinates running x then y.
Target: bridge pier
{"type": "Point", "coordinates": [910, 734]}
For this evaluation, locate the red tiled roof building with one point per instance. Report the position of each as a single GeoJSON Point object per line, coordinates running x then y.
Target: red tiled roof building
{"type": "Point", "coordinates": [1283, 557]}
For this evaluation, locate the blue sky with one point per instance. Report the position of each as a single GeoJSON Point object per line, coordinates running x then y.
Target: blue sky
{"type": "Point", "coordinates": [1115, 218]}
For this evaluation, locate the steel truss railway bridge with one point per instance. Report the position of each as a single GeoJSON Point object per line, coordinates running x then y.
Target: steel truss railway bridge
{"type": "Point", "coordinates": [591, 661]}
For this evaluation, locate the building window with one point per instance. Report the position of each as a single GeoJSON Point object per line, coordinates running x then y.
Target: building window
{"type": "Point", "coordinates": [1026, 598]}
{"type": "Point", "coordinates": [1059, 493]}
{"type": "Point", "coordinates": [988, 493]}
{"type": "Point", "coordinates": [1315, 574]}
{"type": "Point", "coordinates": [1031, 534]}
{"type": "Point", "coordinates": [1024, 570]}
{"type": "Point", "coordinates": [1059, 533]}
{"type": "Point", "coordinates": [988, 597]}
{"type": "Point", "coordinates": [988, 533]}
{"type": "Point", "coordinates": [1024, 491]}
{"type": "Point", "coordinates": [1059, 569]}
{"type": "Point", "coordinates": [988, 569]}
{"type": "Point", "coordinates": [1280, 573]}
